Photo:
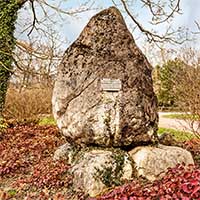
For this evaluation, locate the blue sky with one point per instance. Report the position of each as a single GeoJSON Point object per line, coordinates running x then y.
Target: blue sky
{"type": "Point", "coordinates": [70, 27]}
{"type": "Point", "coordinates": [190, 10]}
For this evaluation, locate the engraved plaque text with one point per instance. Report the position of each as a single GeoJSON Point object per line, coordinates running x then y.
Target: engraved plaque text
{"type": "Point", "coordinates": [112, 85]}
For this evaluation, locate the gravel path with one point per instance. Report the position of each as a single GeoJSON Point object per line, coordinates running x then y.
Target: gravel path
{"type": "Point", "coordinates": [182, 125]}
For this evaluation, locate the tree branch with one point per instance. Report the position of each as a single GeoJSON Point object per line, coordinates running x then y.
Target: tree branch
{"type": "Point", "coordinates": [160, 11]}
{"type": "Point", "coordinates": [34, 17]}
{"type": "Point", "coordinates": [57, 9]}
{"type": "Point", "coordinates": [151, 36]}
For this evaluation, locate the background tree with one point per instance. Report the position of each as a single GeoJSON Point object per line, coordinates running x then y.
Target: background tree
{"type": "Point", "coordinates": [165, 79]}
{"type": "Point", "coordinates": [37, 62]}
{"type": "Point", "coordinates": [30, 89]}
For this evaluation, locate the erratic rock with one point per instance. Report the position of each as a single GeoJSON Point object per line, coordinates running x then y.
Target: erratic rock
{"type": "Point", "coordinates": [104, 92]}
{"type": "Point", "coordinates": [153, 162]}
{"type": "Point", "coordinates": [96, 170]}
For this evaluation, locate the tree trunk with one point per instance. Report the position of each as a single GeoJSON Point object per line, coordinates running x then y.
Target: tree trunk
{"type": "Point", "coordinates": [8, 16]}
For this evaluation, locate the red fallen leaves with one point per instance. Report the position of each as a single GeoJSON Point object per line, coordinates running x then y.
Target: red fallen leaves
{"type": "Point", "coordinates": [24, 146]}
{"type": "Point", "coordinates": [26, 163]}
{"type": "Point", "coordinates": [179, 183]}
{"type": "Point", "coordinates": [26, 151]}
{"type": "Point", "coordinates": [48, 174]}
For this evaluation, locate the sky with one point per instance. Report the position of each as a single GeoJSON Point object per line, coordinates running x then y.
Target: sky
{"type": "Point", "coordinates": [190, 10]}
{"type": "Point", "coordinates": [69, 27]}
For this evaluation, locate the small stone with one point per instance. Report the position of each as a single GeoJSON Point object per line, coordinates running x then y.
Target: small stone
{"type": "Point", "coordinates": [153, 162]}
{"type": "Point", "coordinates": [97, 170]}
{"type": "Point", "coordinates": [65, 152]}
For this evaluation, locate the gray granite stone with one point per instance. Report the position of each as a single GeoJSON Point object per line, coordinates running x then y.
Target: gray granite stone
{"type": "Point", "coordinates": [91, 111]}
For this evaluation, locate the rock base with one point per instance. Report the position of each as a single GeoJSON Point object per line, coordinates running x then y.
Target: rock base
{"type": "Point", "coordinates": [96, 169]}
{"type": "Point", "coordinates": [153, 162]}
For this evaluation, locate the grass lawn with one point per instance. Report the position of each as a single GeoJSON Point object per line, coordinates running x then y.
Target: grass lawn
{"type": "Point", "coordinates": [182, 116]}
{"type": "Point", "coordinates": [180, 136]}
{"type": "Point", "coordinates": [47, 121]}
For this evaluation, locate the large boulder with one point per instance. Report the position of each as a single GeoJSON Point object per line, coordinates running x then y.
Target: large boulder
{"type": "Point", "coordinates": [95, 171]}
{"type": "Point", "coordinates": [153, 162]}
{"type": "Point", "coordinates": [104, 94]}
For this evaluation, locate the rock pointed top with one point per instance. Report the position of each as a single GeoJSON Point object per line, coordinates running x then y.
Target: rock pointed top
{"type": "Point", "coordinates": [104, 27]}
{"type": "Point", "coordinates": [110, 11]}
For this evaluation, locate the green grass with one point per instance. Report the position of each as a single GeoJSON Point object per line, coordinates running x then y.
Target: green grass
{"type": "Point", "coordinates": [12, 192]}
{"type": "Point", "coordinates": [47, 121]}
{"type": "Point", "coordinates": [182, 116]}
{"type": "Point", "coordinates": [180, 136]}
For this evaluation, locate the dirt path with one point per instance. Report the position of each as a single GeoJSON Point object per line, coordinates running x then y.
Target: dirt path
{"type": "Point", "coordinates": [182, 125]}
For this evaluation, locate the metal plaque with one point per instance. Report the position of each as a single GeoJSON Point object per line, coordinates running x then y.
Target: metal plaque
{"type": "Point", "coordinates": [112, 85]}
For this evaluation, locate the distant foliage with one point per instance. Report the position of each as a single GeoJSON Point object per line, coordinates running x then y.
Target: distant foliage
{"type": "Point", "coordinates": [177, 86]}
{"type": "Point", "coordinates": [165, 77]}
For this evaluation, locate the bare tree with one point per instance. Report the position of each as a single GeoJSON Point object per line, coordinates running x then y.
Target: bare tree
{"type": "Point", "coordinates": [35, 62]}
{"type": "Point", "coordinates": [8, 15]}
{"type": "Point", "coordinates": [187, 89]}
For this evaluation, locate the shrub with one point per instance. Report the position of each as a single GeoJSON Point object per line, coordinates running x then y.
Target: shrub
{"type": "Point", "coordinates": [3, 125]}
{"type": "Point", "coordinates": [27, 104]}
{"type": "Point", "coordinates": [194, 147]}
